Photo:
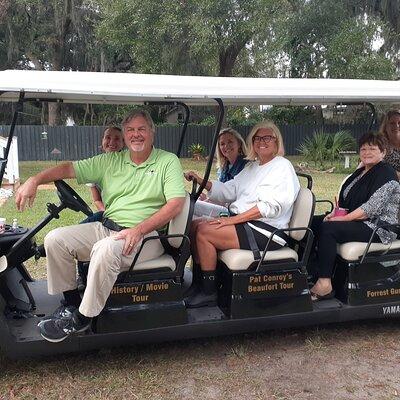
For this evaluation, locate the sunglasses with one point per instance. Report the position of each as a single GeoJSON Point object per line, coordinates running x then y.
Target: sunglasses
{"type": "Point", "coordinates": [264, 139]}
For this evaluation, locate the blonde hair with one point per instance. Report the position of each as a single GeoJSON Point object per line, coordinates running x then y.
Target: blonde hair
{"type": "Point", "coordinates": [251, 155]}
{"type": "Point", "coordinates": [221, 159]}
{"type": "Point", "coordinates": [385, 122]}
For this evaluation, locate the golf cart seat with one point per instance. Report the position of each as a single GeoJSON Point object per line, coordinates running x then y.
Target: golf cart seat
{"type": "Point", "coordinates": [174, 243]}
{"type": "Point", "coordinates": [353, 251]}
{"type": "Point", "coordinates": [367, 273]}
{"type": "Point", "coordinates": [164, 261]}
{"type": "Point", "coordinates": [151, 291]}
{"type": "Point", "coordinates": [241, 260]}
{"type": "Point", "coordinates": [278, 283]}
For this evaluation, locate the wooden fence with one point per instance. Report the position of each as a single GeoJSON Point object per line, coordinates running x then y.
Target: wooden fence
{"type": "Point", "coordinates": [37, 142]}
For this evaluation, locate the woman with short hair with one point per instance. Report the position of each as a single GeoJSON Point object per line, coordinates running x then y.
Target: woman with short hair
{"type": "Point", "coordinates": [371, 194]}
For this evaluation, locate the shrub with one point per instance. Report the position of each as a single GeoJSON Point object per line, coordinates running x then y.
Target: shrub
{"type": "Point", "coordinates": [341, 141]}
{"type": "Point", "coordinates": [323, 147]}
{"type": "Point", "coordinates": [197, 150]}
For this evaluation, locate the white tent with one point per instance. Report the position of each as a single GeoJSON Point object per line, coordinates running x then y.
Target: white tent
{"type": "Point", "coordinates": [12, 169]}
{"type": "Point", "coordinates": [99, 87]}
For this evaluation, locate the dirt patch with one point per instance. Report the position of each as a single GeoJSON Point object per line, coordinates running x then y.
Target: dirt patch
{"type": "Point", "coordinates": [344, 361]}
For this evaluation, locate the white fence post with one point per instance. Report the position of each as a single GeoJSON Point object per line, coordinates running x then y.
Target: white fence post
{"type": "Point", "coordinates": [12, 169]}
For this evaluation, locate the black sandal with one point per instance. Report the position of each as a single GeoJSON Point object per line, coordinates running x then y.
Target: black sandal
{"type": "Point", "coordinates": [319, 297]}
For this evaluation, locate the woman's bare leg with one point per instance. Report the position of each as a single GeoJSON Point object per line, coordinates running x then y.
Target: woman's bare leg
{"type": "Point", "coordinates": [192, 235]}
{"type": "Point", "coordinates": [210, 239]}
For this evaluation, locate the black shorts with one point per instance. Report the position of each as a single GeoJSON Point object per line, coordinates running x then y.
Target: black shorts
{"type": "Point", "coordinates": [261, 239]}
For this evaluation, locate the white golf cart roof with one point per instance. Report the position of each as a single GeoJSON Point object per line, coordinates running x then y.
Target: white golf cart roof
{"type": "Point", "coordinates": [106, 87]}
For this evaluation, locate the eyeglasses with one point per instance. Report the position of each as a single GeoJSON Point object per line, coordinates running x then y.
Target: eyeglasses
{"type": "Point", "coordinates": [264, 139]}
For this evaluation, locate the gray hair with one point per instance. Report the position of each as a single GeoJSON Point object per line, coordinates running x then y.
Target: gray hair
{"type": "Point", "coordinates": [139, 113]}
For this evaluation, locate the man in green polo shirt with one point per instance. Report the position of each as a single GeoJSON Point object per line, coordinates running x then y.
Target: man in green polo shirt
{"type": "Point", "coordinates": [142, 189]}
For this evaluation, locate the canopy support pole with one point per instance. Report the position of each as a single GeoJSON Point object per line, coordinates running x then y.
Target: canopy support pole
{"type": "Point", "coordinates": [185, 124]}
{"type": "Point", "coordinates": [218, 126]}
{"type": "Point", "coordinates": [184, 127]}
{"type": "Point", "coordinates": [367, 103]}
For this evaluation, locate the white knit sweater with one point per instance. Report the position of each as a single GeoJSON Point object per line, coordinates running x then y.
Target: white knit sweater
{"type": "Point", "coordinates": [272, 187]}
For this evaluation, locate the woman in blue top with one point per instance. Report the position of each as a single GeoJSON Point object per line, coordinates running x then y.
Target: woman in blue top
{"type": "Point", "coordinates": [231, 151]}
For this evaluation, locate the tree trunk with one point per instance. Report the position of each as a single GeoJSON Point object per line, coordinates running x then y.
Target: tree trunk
{"type": "Point", "coordinates": [43, 114]}
{"type": "Point", "coordinates": [102, 62]}
{"type": "Point", "coordinates": [319, 117]}
{"type": "Point", "coordinates": [228, 57]}
{"type": "Point", "coordinates": [62, 25]}
{"type": "Point", "coordinates": [86, 113]}
{"type": "Point", "coordinates": [91, 114]}
{"type": "Point", "coordinates": [54, 114]}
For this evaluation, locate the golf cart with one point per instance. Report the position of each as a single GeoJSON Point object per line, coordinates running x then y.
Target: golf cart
{"type": "Point", "coordinates": [257, 292]}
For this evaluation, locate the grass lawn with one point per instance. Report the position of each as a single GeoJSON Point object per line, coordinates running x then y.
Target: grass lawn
{"type": "Point", "coordinates": [343, 361]}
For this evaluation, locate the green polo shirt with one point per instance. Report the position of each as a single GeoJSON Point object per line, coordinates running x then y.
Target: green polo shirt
{"type": "Point", "coordinates": [132, 193]}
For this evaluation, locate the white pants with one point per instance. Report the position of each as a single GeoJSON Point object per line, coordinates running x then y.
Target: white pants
{"type": "Point", "coordinates": [208, 210]}
{"type": "Point", "coordinates": [92, 242]}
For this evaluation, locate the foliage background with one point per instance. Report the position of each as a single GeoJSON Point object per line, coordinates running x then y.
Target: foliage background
{"type": "Point", "coordinates": [256, 38]}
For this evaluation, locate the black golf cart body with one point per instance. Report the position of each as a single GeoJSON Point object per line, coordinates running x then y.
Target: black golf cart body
{"type": "Point", "coordinates": [146, 303]}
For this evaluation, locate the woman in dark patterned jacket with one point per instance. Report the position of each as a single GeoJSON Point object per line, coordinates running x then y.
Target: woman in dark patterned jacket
{"type": "Point", "coordinates": [390, 128]}
{"type": "Point", "coordinates": [370, 194]}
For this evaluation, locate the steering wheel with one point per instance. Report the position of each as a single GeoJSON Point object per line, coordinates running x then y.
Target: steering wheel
{"type": "Point", "coordinates": [71, 199]}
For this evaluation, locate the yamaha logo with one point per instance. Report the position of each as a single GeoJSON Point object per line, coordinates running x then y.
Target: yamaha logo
{"type": "Point", "coordinates": [391, 310]}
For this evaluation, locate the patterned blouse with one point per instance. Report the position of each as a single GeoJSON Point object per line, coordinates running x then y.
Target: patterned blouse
{"type": "Point", "coordinates": [382, 206]}
{"type": "Point", "coordinates": [393, 158]}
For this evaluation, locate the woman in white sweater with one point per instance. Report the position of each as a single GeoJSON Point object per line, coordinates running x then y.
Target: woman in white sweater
{"type": "Point", "coordinates": [261, 199]}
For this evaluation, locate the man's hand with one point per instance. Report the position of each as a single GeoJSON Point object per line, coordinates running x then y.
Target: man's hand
{"type": "Point", "coordinates": [190, 176]}
{"type": "Point", "coordinates": [26, 193]}
{"type": "Point", "coordinates": [133, 238]}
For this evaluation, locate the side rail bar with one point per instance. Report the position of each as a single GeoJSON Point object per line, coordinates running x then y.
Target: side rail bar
{"type": "Point", "coordinates": [328, 202]}
{"type": "Point", "coordinates": [308, 177]}
{"type": "Point", "coordinates": [307, 250]}
{"type": "Point", "coordinates": [389, 227]}
{"type": "Point", "coordinates": [185, 245]}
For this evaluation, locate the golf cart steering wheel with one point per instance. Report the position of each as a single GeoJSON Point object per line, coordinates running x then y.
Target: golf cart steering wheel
{"type": "Point", "coordinates": [71, 199]}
